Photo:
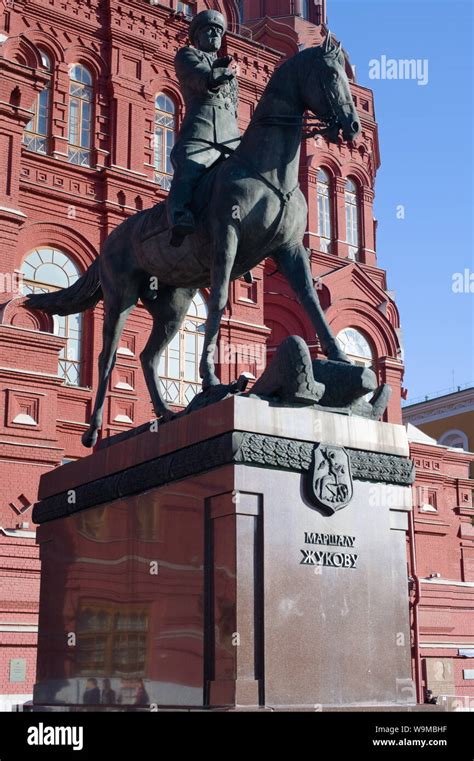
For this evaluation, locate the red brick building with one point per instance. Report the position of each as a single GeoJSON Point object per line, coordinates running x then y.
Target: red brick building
{"type": "Point", "coordinates": [88, 107]}
{"type": "Point", "coordinates": [442, 568]}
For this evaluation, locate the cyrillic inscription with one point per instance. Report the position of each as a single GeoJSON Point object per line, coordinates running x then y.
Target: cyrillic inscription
{"type": "Point", "coordinates": [326, 557]}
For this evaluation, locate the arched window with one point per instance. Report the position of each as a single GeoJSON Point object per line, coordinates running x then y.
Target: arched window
{"type": "Point", "coordinates": [163, 139]}
{"type": "Point", "coordinates": [179, 365]}
{"type": "Point", "coordinates": [356, 347]}
{"type": "Point", "coordinates": [47, 269]}
{"type": "Point", "coordinates": [37, 131]}
{"type": "Point", "coordinates": [324, 210]}
{"type": "Point", "coordinates": [454, 438]}
{"type": "Point", "coordinates": [352, 218]}
{"type": "Point", "coordinates": [81, 96]}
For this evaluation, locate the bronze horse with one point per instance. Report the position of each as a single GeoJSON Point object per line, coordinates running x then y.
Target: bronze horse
{"type": "Point", "coordinates": [248, 207]}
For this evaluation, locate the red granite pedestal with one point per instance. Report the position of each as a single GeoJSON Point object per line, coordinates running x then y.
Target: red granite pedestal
{"type": "Point", "coordinates": [188, 567]}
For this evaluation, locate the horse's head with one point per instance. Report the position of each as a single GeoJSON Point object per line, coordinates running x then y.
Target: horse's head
{"type": "Point", "coordinates": [331, 98]}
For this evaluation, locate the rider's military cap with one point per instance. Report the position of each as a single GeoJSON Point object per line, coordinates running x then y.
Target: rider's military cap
{"type": "Point", "coordinates": [204, 18]}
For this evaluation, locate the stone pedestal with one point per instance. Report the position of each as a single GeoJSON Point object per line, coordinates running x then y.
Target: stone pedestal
{"type": "Point", "coordinates": [206, 564]}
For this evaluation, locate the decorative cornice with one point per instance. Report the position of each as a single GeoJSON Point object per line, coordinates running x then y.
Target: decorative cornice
{"type": "Point", "coordinates": [57, 17]}
{"type": "Point", "coordinates": [237, 447]}
{"type": "Point", "coordinates": [436, 402]}
{"type": "Point", "coordinates": [372, 466]}
{"type": "Point", "coordinates": [418, 413]}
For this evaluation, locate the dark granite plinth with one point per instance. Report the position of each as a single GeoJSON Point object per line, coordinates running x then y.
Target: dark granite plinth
{"type": "Point", "coordinates": [214, 580]}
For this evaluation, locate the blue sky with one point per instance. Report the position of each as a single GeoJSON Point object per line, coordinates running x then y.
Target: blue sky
{"type": "Point", "coordinates": [426, 142]}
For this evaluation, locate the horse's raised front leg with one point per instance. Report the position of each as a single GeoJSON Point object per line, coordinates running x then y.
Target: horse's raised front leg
{"type": "Point", "coordinates": [168, 311]}
{"type": "Point", "coordinates": [225, 249]}
{"type": "Point", "coordinates": [294, 265]}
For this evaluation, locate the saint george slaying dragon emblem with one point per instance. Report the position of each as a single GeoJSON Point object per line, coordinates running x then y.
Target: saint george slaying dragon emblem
{"type": "Point", "coordinates": [330, 480]}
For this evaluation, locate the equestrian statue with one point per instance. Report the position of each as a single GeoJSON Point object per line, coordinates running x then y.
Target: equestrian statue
{"type": "Point", "coordinates": [233, 203]}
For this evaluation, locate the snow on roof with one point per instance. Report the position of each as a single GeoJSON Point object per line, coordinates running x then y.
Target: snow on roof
{"type": "Point", "coordinates": [415, 434]}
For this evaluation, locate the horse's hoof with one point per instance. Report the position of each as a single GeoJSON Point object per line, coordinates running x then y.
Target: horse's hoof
{"type": "Point", "coordinates": [89, 438]}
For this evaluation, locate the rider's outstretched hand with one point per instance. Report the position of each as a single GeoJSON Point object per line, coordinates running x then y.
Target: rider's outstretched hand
{"type": "Point", "coordinates": [222, 63]}
{"type": "Point", "coordinates": [218, 78]}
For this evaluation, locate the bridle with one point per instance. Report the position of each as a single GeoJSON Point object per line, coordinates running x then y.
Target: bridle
{"type": "Point", "coordinates": [295, 120]}
{"type": "Point", "coordinates": [323, 125]}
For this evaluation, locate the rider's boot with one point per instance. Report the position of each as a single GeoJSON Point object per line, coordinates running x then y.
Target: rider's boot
{"type": "Point", "coordinates": [183, 225]}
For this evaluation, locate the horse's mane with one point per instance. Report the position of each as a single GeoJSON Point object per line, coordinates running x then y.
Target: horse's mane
{"type": "Point", "coordinates": [294, 67]}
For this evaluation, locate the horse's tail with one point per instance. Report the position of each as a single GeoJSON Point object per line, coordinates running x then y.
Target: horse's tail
{"type": "Point", "coordinates": [83, 294]}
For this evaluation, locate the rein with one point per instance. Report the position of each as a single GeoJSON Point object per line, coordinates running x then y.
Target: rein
{"type": "Point", "coordinates": [230, 152]}
{"type": "Point", "coordinates": [293, 120]}
{"type": "Point", "coordinates": [322, 126]}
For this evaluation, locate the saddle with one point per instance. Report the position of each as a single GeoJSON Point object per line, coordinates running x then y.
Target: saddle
{"type": "Point", "coordinates": [156, 222]}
